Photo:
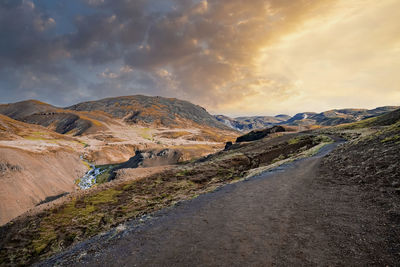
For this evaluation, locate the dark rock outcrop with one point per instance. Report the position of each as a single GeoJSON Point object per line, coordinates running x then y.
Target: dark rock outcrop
{"type": "Point", "coordinates": [228, 145]}
{"type": "Point", "coordinates": [64, 122]}
{"type": "Point", "coordinates": [259, 134]}
{"type": "Point", "coordinates": [7, 167]}
{"type": "Point", "coordinates": [149, 158]}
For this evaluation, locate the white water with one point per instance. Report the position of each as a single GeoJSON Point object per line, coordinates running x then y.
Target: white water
{"type": "Point", "coordinates": [89, 179]}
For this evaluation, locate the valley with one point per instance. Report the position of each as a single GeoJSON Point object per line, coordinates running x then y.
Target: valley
{"type": "Point", "coordinates": [65, 143]}
{"type": "Point", "coordinates": [80, 184]}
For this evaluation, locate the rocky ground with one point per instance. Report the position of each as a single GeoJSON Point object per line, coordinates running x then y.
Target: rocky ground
{"type": "Point", "coordinates": [372, 166]}
{"type": "Point", "coordinates": [304, 213]}
{"type": "Point", "coordinates": [33, 237]}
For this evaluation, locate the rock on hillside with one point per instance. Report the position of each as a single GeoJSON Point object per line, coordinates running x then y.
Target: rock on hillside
{"type": "Point", "coordinates": [147, 110]}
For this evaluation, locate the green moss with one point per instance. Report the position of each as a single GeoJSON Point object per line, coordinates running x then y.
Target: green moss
{"type": "Point", "coordinates": [106, 171]}
{"type": "Point", "coordinates": [106, 196]}
{"type": "Point", "coordinates": [127, 187]}
{"type": "Point", "coordinates": [360, 124]}
{"type": "Point", "coordinates": [324, 139]}
{"type": "Point", "coordinates": [103, 177]}
{"type": "Point", "coordinates": [38, 133]}
{"type": "Point", "coordinates": [391, 139]}
{"type": "Point", "coordinates": [295, 140]}
{"type": "Point", "coordinates": [184, 173]}
{"type": "Point", "coordinates": [281, 157]}
{"type": "Point", "coordinates": [146, 133]}
{"type": "Point", "coordinates": [44, 241]}
{"type": "Point", "coordinates": [39, 138]}
{"type": "Point", "coordinates": [86, 164]}
{"type": "Point", "coordinates": [75, 214]}
{"type": "Point", "coordinates": [393, 127]}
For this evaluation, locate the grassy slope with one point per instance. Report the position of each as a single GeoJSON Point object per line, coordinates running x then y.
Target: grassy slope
{"type": "Point", "coordinates": [383, 120]}
{"type": "Point", "coordinates": [29, 239]}
{"type": "Point", "coordinates": [371, 163]}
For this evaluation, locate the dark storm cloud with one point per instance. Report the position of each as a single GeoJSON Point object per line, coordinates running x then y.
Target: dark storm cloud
{"type": "Point", "coordinates": [201, 49]}
{"type": "Point", "coordinates": [23, 38]}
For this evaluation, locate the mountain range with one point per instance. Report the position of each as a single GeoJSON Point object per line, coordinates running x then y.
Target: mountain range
{"type": "Point", "coordinates": [139, 110]}
{"type": "Point", "coordinates": [158, 111]}
{"type": "Point", "coordinates": [326, 118]}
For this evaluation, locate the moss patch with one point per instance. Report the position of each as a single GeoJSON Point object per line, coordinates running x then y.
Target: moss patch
{"type": "Point", "coordinates": [86, 164]}
{"type": "Point", "coordinates": [145, 133]}
{"type": "Point", "coordinates": [77, 218]}
{"type": "Point", "coordinates": [394, 138]}
{"type": "Point", "coordinates": [295, 140]}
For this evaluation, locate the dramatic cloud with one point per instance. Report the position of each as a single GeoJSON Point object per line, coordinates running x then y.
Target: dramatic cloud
{"type": "Point", "coordinates": [231, 56]}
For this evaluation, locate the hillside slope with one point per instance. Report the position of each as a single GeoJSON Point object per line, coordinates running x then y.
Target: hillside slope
{"type": "Point", "coordinates": [39, 113]}
{"type": "Point", "coordinates": [41, 148]}
{"type": "Point", "coordinates": [146, 110]}
{"type": "Point", "coordinates": [20, 110]}
{"type": "Point", "coordinates": [35, 163]}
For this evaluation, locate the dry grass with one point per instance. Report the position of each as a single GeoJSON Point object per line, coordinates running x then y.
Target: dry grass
{"type": "Point", "coordinates": [93, 121]}
{"type": "Point", "coordinates": [173, 134]}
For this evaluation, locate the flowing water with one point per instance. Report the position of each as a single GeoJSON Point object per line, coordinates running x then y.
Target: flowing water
{"type": "Point", "coordinates": [89, 179]}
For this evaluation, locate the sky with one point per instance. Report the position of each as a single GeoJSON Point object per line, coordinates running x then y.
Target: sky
{"type": "Point", "coordinates": [233, 57]}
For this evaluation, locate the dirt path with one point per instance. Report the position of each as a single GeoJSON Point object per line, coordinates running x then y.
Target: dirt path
{"type": "Point", "coordinates": [288, 216]}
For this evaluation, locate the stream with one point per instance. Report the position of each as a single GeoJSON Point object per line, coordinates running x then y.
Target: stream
{"type": "Point", "coordinates": [89, 179]}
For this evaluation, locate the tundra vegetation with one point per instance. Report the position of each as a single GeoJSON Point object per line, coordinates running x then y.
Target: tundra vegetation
{"type": "Point", "coordinates": [32, 238]}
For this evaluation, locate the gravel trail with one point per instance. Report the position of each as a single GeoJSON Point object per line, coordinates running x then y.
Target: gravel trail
{"type": "Point", "coordinates": [285, 217]}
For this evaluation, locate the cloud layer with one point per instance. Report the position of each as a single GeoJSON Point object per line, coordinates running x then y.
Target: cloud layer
{"type": "Point", "coordinates": [231, 56]}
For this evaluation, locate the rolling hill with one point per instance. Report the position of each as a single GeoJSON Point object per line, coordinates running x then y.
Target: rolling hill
{"type": "Point", "coordinates": [156, 111]}
{"type": "Point", "coordinates": [39, 113]}
{"type": "Point", "coordinates": [93, 116]}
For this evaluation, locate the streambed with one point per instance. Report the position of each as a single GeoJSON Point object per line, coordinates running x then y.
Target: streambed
{"type": "Point", "coordinates": [90, 178]}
